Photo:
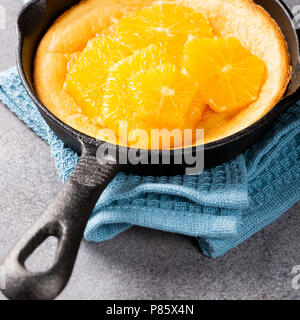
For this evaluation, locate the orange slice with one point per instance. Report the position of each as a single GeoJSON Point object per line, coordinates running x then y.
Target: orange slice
{"type": "Point", "coordinates": [88, 74]}
{"type": "Point", "coordinates": [167, 25]}
{"type": "Point", "coordinates": [229, 76]}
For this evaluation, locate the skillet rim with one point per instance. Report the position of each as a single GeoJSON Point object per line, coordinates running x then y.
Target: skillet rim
{"type": "Point", "coordinates": [221, 143]}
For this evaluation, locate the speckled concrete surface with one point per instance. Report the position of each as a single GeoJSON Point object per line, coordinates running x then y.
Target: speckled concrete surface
{"type": "Point", "coordinates": [140, 263]}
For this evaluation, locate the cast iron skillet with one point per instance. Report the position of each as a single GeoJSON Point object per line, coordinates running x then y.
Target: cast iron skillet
{"type": "Point", "coordinates": [67, 215]}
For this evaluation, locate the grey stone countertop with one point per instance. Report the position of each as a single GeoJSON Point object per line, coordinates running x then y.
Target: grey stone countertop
{"type": "Point", "coordinates": [139, 263]}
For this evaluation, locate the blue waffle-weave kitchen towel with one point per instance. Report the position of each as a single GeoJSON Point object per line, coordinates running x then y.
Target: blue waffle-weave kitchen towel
{"type": "Point", "coordinates": [221, 207]}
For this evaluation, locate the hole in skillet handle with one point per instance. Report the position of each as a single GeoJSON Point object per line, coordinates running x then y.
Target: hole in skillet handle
{"type": "Point", "coordinates": [65, 219]}
{"type": "Point", "coordinates": [44, 257]}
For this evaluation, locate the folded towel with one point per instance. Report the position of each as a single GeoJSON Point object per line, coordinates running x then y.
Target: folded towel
{"type": "Point", "coordinates": [221, 207]}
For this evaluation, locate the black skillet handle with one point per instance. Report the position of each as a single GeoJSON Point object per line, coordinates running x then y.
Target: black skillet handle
{"type": "Point", "coordinates": [65, 219]}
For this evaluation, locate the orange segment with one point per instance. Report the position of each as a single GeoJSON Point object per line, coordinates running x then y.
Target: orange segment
{"type": "Point", "coordinates": [72, 59]}
{"type": "Point", "coordinates": [162, 97]}
{"type": "Point", "coordinates": [197, 108]}
{"type": "Point", "coordinates": [229, 76]}
{"type": "Point", "coordinates": [115, 99]}
{"type": "Point", "coordinates": [156, 98]}
{"type": "Point", "coordinates": [88, 75]}
{"type": "Point", "coordinates": [167, 25]}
